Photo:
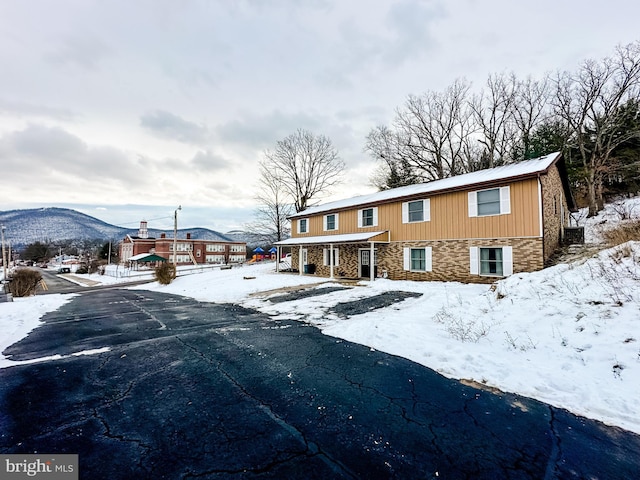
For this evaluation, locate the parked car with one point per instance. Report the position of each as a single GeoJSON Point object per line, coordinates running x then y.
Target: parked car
{"type": "Point", "coordinates": [64, 270]}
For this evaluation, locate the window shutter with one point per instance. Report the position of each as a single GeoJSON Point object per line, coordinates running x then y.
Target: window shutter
{"type": "Point", "coordinates": [337, 254]}
{"type": "Point", "coordinates": [505, 200]}
{"type": "Point", "coordinates": [324, 224]}
{"type": "Point", "coordinates": [428, 260]}
{"type": "Point", "coordinates": [473, 261]}
{"type": "Point", "coordinates": [473, 204]}
{"type": "Point", "coordinates": [407, 258]}
{"type": "Point", "coordinates": [298, 222]}
{"type": "Point", "coordinates": [325, 257]}
{"type": "Point", "coordinates": [375, 216]}
{"type": "Point", "coordinates": [507, 261]}
{"type": "Point", "coordinates": [426, 207]}
{"type": "Point", "coordinates": [359, 218]}
{"type": "Point", "coordinates": [336, 217]}
{"type": "Point", "coordinates": [405, 212]}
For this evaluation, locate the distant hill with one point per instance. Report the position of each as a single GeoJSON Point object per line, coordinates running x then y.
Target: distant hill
{"type": "Point", "coordinates": [52, 225]}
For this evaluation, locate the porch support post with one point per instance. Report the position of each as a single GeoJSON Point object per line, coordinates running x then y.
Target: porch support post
{"type": "Point", "coordinates": [331, 260]}
{"type": "Point", "coordinates": [277, 258]}
{"type": "Point", "coordinates": [372, 263]}
{"type": "Point", "coordinates": [300, 264]}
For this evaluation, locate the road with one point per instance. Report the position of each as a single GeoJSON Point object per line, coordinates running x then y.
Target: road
{"type": "Point", "coordinates": [199, 390]}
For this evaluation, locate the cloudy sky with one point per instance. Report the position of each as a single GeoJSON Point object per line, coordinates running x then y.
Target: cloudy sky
{"type": "Point", "coordinates": [124, 109]}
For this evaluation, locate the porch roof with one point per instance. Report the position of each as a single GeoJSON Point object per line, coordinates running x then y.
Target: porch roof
{"type": "Point", "coordinates": [335, 239]}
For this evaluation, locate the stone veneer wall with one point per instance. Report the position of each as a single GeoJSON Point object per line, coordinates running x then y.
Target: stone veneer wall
{"type": "Point", "coordinates": [450, 259]}
{"type": "Point", "coordinates": [553, 204]}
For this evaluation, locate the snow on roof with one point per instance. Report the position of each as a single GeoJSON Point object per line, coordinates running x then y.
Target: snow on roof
{"type": "Point", "coordinates": [326, 239]}
{"type": "Point", "coordinates": [151, 256]}
{"type": "Point", "coordinates": [515, 170]}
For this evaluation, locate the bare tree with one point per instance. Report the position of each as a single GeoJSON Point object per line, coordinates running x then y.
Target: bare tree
{"type": "Point", "coordinates": [271, 224]}
{"type": "Point", "coordinates": [430, 137]}
{"type": "Point", "coordinates": [530, 110]}
{"type": "Point", "coordinates": [591, 102]}
{"type": "Point", "coordinates": [493, 111]}
{"type": "Point", "coordinates": [304, 165]}
{"type": "Point", "coordinates": [395, 168]}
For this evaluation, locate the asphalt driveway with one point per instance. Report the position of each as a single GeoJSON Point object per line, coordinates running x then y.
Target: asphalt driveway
{"type": "Point", "coordinates": [199, 390]}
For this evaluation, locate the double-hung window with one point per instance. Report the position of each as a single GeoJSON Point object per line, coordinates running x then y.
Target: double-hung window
{"type": "Point", "coordinates": [303, 225]}
{"type": "Point", "coordinates": [331, 222]}
{"type": "Point", "coordinates": [416, 211]}
{"type": "Point", "coordinates": [491, 261]}
{"type": "Point", "coordinates": [368, 217]}
{"type": "Point", "coordinates": [326, 256]}
{"type": "Point", "coordinates": [494, 201]}
{"type": "Point", "coordinates": [417, 259]}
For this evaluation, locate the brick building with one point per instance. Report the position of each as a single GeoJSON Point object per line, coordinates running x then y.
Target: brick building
{"type": "Point", "coordinates": [188, 250]}
{"type": "Point", "coordinates": [471, 228]}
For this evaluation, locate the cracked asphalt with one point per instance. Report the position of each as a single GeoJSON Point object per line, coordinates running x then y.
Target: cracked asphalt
{"type": "Point", "coordinates": [199, 390]}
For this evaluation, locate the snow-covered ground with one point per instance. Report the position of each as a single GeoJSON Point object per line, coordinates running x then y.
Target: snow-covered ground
{"type": "Point", "coordinates": [568, 335]}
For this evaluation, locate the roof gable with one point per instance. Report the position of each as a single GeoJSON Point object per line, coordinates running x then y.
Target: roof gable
{"type": "Point", "coordinates": [521, 170]}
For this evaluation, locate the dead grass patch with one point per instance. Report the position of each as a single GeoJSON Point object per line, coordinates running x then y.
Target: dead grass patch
{"type": "Point", "coordinates": [623, 233]}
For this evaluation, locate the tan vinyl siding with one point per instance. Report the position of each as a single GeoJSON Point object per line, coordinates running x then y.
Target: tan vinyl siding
{"type": "Point", "coordinates": [449, 218]}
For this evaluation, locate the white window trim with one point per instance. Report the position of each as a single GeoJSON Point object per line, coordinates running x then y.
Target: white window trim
{"type": "Point", "coordinates": [326, 259]}
{"type": "Point", "coordinates": [375, 217]}
{"type": "Point", "coordinates": [307, 224]}
{"type": "Point", "coordinates": [505, 202]}
{"type": "Point", "coordinates": [507, 261]}
{"type": "Point", "coordinates": [324, 222]}
{"type": "Point", "coordinates": [428, 258]}
{"type": "Point", "coordinates": [426, 211]}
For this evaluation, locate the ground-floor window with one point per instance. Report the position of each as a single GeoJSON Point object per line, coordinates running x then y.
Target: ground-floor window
{"type": "Point", "coordinates": [327, 258]}
{"type": "Point", "coordinates": [214, 258]}
{"type": "Point", "coordinates": [491, 261]}
{"type": "Point", "coordinates": [417, 259]}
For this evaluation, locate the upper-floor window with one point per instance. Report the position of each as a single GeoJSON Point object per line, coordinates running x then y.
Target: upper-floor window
{"type": "Point", "coordinates": [368, 217]}
{"type": "Point", "coordinates": [416, 211]}
{"type": "Point", "coordinates": [215, 247]}
{"type": "Point", "coordinates": [303, 225]}
{"type": "Point", "coordinates": [494, 201]}
{"type": "Point", "coordinates": [331, 222]}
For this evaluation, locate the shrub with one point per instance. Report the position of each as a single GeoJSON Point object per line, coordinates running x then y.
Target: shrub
{"type": "Point", "coordinates": [165, 273]}
{"type": "Point", "coordinates": [24, 282]}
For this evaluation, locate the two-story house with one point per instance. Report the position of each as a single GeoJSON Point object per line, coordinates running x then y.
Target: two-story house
{"type": "Point", "coordinates": [471, 228]}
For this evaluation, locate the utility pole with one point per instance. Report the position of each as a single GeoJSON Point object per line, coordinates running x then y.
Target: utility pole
{"type": "Point", "coordinates": [4, 260]}
{"type": "Point", "coordinates": [175, 235]}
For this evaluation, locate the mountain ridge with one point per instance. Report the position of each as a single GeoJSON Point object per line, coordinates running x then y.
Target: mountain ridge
{"type": "Point", "coordinates": [55, 224]}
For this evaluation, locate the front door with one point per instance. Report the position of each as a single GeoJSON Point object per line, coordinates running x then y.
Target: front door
{"type": "Point", "coordinates": [302, 260]}
{"type": "Point", "coordinates": [367, 263]}
{"type": "Point", "coordinates": [365, 257]}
